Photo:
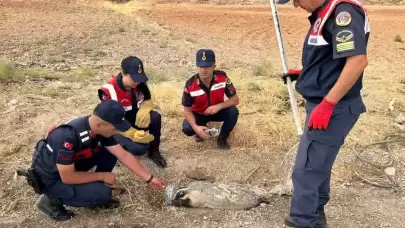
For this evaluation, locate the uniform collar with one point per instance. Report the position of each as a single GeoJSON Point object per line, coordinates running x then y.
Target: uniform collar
{"type": "Point", "coordinates": [120, 83]}
{"type": "Point", "coordinates": [87, 125]}
{"type": "Point", "coordinates": [214, 79]}
{"type": "Point", "coordinates": [321, 7]}
{"type": "Point", "coordinates": [314, 15]}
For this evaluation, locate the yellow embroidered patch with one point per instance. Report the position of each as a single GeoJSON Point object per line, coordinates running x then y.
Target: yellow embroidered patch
{"type": "Point", "coordinates": [347, 46]}
{"type": "Point", "coordinates": [344, 41]}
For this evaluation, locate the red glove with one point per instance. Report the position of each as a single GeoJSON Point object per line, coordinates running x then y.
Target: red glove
{"type": "Point", "coordinates": [321, 114]}
{"type": "Point", "coordinates": [292, 73]}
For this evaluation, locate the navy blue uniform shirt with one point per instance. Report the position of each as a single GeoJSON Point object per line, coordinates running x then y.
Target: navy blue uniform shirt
{"type": "Point", "coordinates": [64, 144]}
{"type": "Point", "coordinates": [323, 64]}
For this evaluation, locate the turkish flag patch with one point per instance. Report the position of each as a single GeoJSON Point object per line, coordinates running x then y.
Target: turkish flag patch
{"type": "Point", "coordinates": [68, 145]}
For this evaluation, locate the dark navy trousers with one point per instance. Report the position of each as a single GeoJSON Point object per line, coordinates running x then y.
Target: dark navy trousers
{"type": "Point", "coordinates": [316, 154]}
{"type": "Point", "coordinates": [139, 149]}
{"type": "Point", "coordinates": [229, 116]}
{"type": "Point", "coordinates": [89, 194]}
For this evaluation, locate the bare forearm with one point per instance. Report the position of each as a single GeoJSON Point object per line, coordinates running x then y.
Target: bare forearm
{"type": "Point", "coordinates": [82, 177]}
{"type": "Point", "coordinates": [233, 101]}
{"type": "Point", "coordinates": [188, 115]}
{"type": "Point", "coordinates": [351, 72]}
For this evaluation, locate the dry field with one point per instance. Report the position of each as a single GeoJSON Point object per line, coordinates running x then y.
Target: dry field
{"type": "Point", "coordinates": [55, 54]}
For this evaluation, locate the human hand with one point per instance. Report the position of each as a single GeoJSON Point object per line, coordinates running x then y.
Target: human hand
{"type": "Point", "coordinates": [138, 136]}
{"type": "Point", "coordinates": [109, 178]}
{"type": "Point", "coordinates": [199, 130]}
{"type": "Point", "coordinates": [142, 137]}
{"type": "Point", "coordinates": [157, 184]}
{"type": "Point", "coordinates": [321, 115]}
{"type": "Point", "coordinates": [143, 117]}
{"type": "Point", "coordinates": [292, 73]}
{"type": "Point", "coordinates": [212, 109]}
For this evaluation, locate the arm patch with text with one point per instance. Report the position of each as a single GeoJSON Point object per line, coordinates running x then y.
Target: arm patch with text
{"type": "Point", "coordinates": [65, 157]}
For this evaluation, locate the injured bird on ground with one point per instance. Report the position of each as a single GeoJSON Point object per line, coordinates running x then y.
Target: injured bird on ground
{"type": "Point", "coordinates": [202, 194]}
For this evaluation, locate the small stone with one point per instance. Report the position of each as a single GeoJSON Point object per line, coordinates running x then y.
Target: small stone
{"type": "Point", "coordinates": [400, 119]}
{"type": "Point", "coordinates": [13, 102]}
{"type": "Point", "coordinates": [263, 204]}
{"type": "Point", "coordinates": [205, 217]}
{"type": "Point", "coordinates": [390, 171]}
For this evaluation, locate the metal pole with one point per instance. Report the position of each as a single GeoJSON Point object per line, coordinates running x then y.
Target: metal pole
{"type": "Point", "coordinates": [285, 69]}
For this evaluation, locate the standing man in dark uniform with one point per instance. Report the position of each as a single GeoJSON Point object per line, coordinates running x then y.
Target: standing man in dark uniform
{"type": "Point", "coordinates": [130, 89]}
{"type": "Point", "coordinates": [203, 100]}
{"type": "Point", "coordinates": [62, 159]}
{"type": "Point", "coordinates": [333, 61]}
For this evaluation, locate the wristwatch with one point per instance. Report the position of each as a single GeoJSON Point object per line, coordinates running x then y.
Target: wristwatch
{"type": "Point", "coordinates": [218, 107]}
{"type": "Point", "coordinates": [150, 179]}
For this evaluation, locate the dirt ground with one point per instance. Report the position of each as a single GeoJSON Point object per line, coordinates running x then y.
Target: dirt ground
{"type": "Point", "coordinates": [55, 54]}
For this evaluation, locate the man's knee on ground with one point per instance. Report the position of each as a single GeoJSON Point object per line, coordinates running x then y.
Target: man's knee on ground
{"type": "Point", "coordinates": [88, 195]}
{"type": "Point", "coordinates": [187, 129]}
{"type": "Point", "coordinates": [155, 118]}
{"type": "Point", "coordinates": [102, 193]}
{"type": "Point", "coordinates": [137, 149]}
{"type": "Point", "coordinates": [233, 112]}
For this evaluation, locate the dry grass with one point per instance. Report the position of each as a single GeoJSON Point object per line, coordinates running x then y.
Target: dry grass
{"type": "Point", "coordinates": [264, 133]}
{"type": "Point", "coordinates": [265, 124]}
{"type": "Point", "coordinates": [9, 73]}
{"type": "Point", "coordinates": [124, 8]}
{"type": "Point", "coordinates": [264, 120]}
{"type": "Point", "coordinates": [398, 38]}
{"type": "Point", "coordinates": [12, 73]}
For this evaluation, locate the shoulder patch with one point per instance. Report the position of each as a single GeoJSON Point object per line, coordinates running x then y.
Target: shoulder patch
{"type": "Point", "coordinates": [344, 41]}
{"type": "Point", "coordinates": [343, 18]}
{"type": "Point", "coordinates": [68, 145]}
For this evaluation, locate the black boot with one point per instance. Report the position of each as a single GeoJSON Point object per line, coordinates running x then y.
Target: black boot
{"type": "Point", "coordinates": [222, 142]}
{"type": "Point", "coordinates": [54, 208]}
{"type": "Point", "coordinates": [110, 204]}
{"type": "Point", "coordinates": [155, 155]}
{"type": "Point", "coordinates": [290, 223]}
{"type": "Point", "coordinates": [321, 221]}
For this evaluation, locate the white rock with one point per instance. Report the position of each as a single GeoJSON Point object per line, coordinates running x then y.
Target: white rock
{"type": "Point", "coordinates": [390, 171]}
{"type": "Point", "coordinates": [13, 102]}
{"type": "Point", "coordinates": [400, 119]}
